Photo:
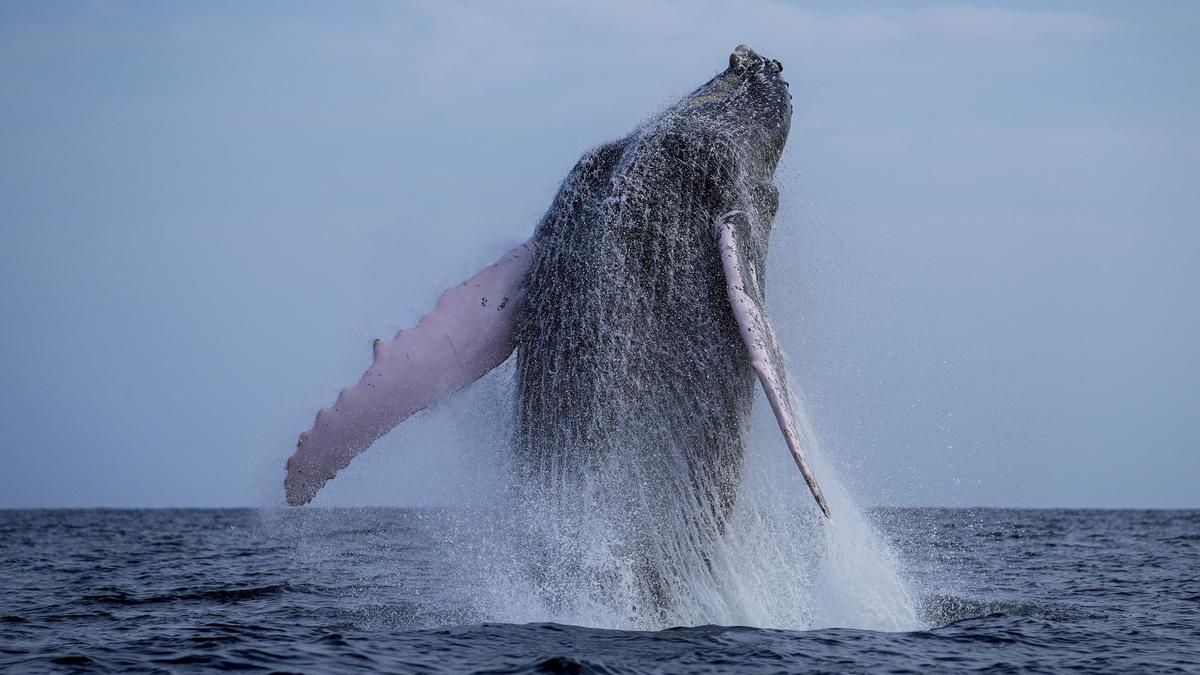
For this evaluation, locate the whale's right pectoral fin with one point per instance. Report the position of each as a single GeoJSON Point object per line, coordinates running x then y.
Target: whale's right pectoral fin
{"type": "Point", "coordinates": [732, 232]}
{"type": "Point", "coordinates": [468, 333]}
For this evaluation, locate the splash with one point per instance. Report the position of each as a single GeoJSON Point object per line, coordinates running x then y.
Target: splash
{"type": "Point", "coordinates": [586, 560]}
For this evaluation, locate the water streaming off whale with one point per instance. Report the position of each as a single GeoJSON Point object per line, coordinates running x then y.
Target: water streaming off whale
{"type": "Point", "coordinates": [774, 563]}
{"type": "Point", "coordinates": [632, 492]}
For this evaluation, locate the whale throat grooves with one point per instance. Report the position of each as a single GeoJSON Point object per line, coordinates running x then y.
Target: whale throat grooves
{"type": "Point", "coordinates": [634, 388]}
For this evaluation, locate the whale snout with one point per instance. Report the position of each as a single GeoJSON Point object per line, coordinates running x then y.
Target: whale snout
{"type": "Point", "coordinates": [745, 58]}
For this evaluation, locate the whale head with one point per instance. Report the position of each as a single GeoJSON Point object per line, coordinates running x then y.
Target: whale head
{"type": "Point", "coordinates": [749, 102]}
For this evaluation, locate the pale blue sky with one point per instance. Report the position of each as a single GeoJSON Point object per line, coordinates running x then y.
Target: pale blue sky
{"type": "Point", "coordinates": [984, 268]}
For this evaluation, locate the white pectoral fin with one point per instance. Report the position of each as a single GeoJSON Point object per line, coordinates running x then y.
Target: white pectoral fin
{"type": "Point", "coordinates": [732, 232]}
{"type": "Point", "coordinates": [468, 333]}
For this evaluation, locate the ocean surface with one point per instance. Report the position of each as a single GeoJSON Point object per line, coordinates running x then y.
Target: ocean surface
{"type": "Point", "coordinates": [345, 590]}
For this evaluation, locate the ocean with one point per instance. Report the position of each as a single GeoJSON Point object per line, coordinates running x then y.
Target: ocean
{"type": "Point", "coordinates": [350, 590]}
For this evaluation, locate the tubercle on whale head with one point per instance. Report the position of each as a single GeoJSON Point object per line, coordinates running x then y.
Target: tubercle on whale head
{"type": "Point", "coordinates": [743, 58]}
{"type": "Point", "coordinates": [747, 69]}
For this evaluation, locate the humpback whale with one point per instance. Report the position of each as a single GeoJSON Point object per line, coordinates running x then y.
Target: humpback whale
{"type": "Point", "coordinates": [636, 311]}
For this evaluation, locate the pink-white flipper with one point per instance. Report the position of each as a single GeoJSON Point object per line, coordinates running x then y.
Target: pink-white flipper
{"type": "Point", "coordinates": [732, 231]}
{"type": "Point", "coordinates": [468, 333]}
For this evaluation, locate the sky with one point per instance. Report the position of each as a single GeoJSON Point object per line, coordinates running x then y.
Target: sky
{"type": "Point", "coordinates": [983, 270]}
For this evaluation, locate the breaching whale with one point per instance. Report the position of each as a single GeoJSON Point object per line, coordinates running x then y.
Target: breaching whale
{"type": "Point", "coordinates": [636, 310]}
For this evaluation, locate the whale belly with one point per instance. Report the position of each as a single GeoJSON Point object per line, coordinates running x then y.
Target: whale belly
{"type": "Point", "coordinates": [631, 370]}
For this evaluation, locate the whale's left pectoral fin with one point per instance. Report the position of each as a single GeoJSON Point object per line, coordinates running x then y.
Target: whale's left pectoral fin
{"type": "Point", "coordinates": [733, 235]}
{"type": "Point", "coordinates": [468, 333]}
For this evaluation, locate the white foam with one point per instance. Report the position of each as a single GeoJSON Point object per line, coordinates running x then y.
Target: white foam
{"type": "Point", "coordinates": [574, 559]}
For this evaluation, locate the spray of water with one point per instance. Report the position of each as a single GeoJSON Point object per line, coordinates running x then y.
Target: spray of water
{"type": "Point", "coordinates": [586, 560]}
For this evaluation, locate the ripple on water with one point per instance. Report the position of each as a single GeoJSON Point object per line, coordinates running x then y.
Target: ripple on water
{"type": "Point", "coordinates": [287, 601]}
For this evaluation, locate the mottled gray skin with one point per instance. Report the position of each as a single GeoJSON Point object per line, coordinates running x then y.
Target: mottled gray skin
{"type": "Point", "coordinates": [627, 350]}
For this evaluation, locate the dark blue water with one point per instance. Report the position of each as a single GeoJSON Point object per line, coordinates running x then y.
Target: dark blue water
{"type": "Point", "coordinates": [365, 590]}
